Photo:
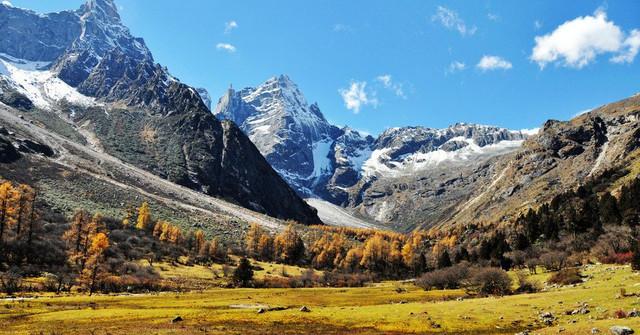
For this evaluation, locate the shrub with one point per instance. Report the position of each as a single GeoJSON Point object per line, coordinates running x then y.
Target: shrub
{"type": "Point", "coordinates": [447, 278]}
{"type": "Point", "coordinates": [525, 285]}
{"type": "Point", "coordinates": [619, 258]}
{"type": "Point", "coordinates": [10, 282]}
{"type": "Point", "coordinates": [566, 277]}
{"type": "Point", "coordinates": [553, 260]}
{"type": "Point", "coordinates": [620, 314]}
{"type": "Point", "coordinates": [489, 281]}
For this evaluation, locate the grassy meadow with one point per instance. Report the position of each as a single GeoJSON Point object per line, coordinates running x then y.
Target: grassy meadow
{"type": "Point", "coordinates": [384, 308]}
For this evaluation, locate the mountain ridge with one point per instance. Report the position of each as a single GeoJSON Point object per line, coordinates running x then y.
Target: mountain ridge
{"type": "Point", "coordinates": [139, 113]}
{"type": "Point", "coordinates": [341, 165]}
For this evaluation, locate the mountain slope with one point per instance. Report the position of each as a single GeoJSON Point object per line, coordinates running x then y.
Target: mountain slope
{"type": "Point", "coordinates": [87, 68]}
{"type": "Point", "coordinates": [564, 155]}
{"type": "Point", "coordinates": [405, 178]}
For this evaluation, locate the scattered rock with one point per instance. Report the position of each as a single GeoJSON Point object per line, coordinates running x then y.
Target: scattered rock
{"type": "Point", "coordinates": [547, 318]}
{"type": "Point", "coordinates": [595, 331]}
{"type": "Point", "coordinates": [402, 302]}
{"type": "Point", "coordinates": [8, 153]}
{"type": "Point", "coordinates": [261, 310]}
{"type": "Point", "coordinates": [525, 332]}
{"type": "Point", "coordinates": [621, 330]}
{"type": "Point", "coordinates": [177, 319]}
{"type": "Point", "coordinates": [633, 314]}
{"type": "Point", "coordinates": [305, 309]}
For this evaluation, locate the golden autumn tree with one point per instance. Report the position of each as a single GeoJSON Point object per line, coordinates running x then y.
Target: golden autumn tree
{"type": "Point", "coordinates": [214, 248]}
{"type": "Point", "coordinates": [79, 236]}
{"type": "Point", "coordinates": [128, 216]}
{"type": "Point", "coordinates": [352, 259]}
{"type": "Point", "coordinates": [175, 235]}
{"type": "Point", "coordinates": [144, 217]}
{"type": "Point", "coordinates": [252, 240]}
{"type": "Point", "coordinates": [375, 254]}
{"type": "Point", "coordinates": [198, 241]}
{"type": "Point", "coordinates": [5, 192]}
{"type": "Point", "coordinates": [412, 255]}
{"type": "Point", "coordinates": [265, 247]}
{"type": "Point", "coordinates": [288, 246]}
{"type": "Point", "coordinates": [94, 269]}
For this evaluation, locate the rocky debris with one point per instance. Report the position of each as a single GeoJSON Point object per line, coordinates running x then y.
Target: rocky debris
{"type": "Point", "coordinates": [583, 309]}
{"type": "Point", "coordinates": [633, 313]}
{"type": "Point", "coordinates": [8, 153]}
{"type": "Point", "coordinates": [177, 319]}
{"type": "Point", "coordinates": [621, 330]}
{"type": "Point", "coordinates": [595, 331]}
{"type": "Point", "coordinates": [31, 147]}
{"type": "Point", "coordinates": [524, 332]}
{"type": "Point", "coordinates": [547, 318]}
{"type": "Point", "coordinates": [305, 309]}
{"type": "Point", "coordinates": [261, 310]}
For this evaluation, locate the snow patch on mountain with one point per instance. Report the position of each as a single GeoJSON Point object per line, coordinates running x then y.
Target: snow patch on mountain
{"type": "Point", "coordinates": [42, 87]}
{"type": "Point", "coordinates": [321, 161]}
{"type": "Point", "coordinates": [381, 163]}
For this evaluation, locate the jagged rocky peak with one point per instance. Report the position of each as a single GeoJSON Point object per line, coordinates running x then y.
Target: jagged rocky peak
{"type": "Point", "coordinates": [205, 96]}
{"type": "Point", "coordinates": [95, 58]}
{"type": "Point", "coordinates": [104, 9]}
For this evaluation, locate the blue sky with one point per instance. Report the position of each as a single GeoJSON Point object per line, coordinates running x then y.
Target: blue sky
{"type": "Point", "coordinates": [378, 64]}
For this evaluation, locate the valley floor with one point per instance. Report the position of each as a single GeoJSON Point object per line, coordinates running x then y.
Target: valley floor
{"type": "Point", "coordinates": [387, 308]}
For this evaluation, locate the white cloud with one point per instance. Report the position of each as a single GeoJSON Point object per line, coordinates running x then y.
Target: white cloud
{"type": "Point", "coordinates": [488, 63]}
{"type": "Point", "coordinates": [582, 112]}
{"type": "Point", "coordinates": [356, 96]}
{"type": "Point", "coordinates": [451, 20]}
{"type": "Point", "coordinates": [388, 83]}
{"type": "Point", "coordinates": [530, 132]}
{"type": "Point", "coordinates": [493, 17]}
{"type": "Point", "coordinates": [340, 28]}
{"type": "Point", "coordinates": [456, 66]}
{"type": "Point", "coordinates": [229, 26]}
{"type": "Point", "coordinates": [7, 3]}
{"type": "Point", "coordinates": [632, 46]}
{"type": "Point", "coordinates": [537, 24]}
{"type": "Point", "coordinates": [578, 42]}
{"type": "Point", "coordinates": [226, 47]}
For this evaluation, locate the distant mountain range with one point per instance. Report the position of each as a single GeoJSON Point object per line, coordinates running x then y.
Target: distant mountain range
{"type": "Point", "coordinates": [83, 77]}
{"type": "Point", "coordinates": [85, 66]}
{"type": "Point", "coordinates": [350, 169]}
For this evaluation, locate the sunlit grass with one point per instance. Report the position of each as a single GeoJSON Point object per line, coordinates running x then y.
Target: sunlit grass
{"type": "Point", "coordinates": [390, 307]}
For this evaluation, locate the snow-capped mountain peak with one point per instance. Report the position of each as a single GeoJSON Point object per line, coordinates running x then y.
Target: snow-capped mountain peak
{"type": "Point", "coordinates": [319, 159]}
{"type": "Point", "coordinates": [103, 9]}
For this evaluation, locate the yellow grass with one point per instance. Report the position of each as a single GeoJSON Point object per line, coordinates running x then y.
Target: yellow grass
{"type": "Point", "coordinates": [379, 309]}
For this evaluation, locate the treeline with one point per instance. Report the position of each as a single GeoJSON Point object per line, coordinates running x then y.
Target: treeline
{"type": "Point", "coordinates": [579, 226]}
{"type": "Point", "coordinates": [89, 252]}
{"type": "Point", "coordinates": [384, 254]}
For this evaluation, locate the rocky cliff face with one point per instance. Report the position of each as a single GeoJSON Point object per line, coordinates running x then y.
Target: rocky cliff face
{"type": "Point", "coordinates": [405, 177]}
{"type": "Point", "coordinates": [85, 66]}
{"type": "Point", "coordinates": [564, 155]}
{"type": "Point", "coordinates": [291, 134]}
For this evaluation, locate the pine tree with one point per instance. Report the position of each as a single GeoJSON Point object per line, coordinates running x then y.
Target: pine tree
{"type": "Point", "coordinates": [243, 274]}
{"type": "Point", "coordinates": [635, 259]}
{"type": "Point", "coordinates": [444, 261]}
{"type": "Point", "coordinates": [289, 247]}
